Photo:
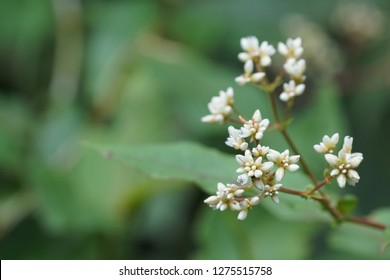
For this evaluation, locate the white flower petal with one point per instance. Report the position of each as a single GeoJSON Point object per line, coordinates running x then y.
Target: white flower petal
{"type": "Point", "coordinates": [258, 173]}
{"type": "Point", "coordinates": [279, 174]}
{"type": "Point", "coordinates": [212, 200]}
{"type": "Point", "coordinates": [248, 67]}
{"type": "Point", "coordinates": [257, 77]}
{"type": "Point", "coordinates": [243, 56]}
{"type": "Point", "coordinates": [299, 89]}
{"type": "Point", "coordinates": [352, 174]}
{"type": "Point", "coordinates": [341, 180]}
{"type": "Point", "coordinates": [334, 172]}
{"type": "Point", "coordinates": [282, 48]}
{"type": "Point", "coordinates": [294, 159]}
{"type": "Point", "coordinates": [275, 198]}
{"type": "Point", "coordinates": [293, 167]}
{"type": "Point", "coordinates": [257, 116]}
{"type": "Point", "coordinates": [242, 80]}
{"type": "Point", "coordinates": [273, 156]}
{"type": "Point", "coordinates": [284, 96]}
{"type": "Point", "coordinates": [242, 215]}
{"type": "Point", "coordinates": [355, 161]}
{"type": "Point", "coordinates": [223, 207]}
{"type": "Point", "coordinates": [266, 166]}
{"type": "Point", "coordinates": [265, 61]}
{"type": "Point", "coordinates": [319, 149]}
{"type": "Point", "coordinates": [332, 160]}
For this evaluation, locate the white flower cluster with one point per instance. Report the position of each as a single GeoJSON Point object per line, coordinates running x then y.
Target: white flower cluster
{"type": "Point", "coordinates": [260, 168]}
{"type": "Point", "coordinates": [295, 67]}
{"type": "Point", "coordinates": [255, 171]}
{"type": "Point", "coordinates": [343, 165]}
{"type": "Point", "coordinates": [257, 56]}
{"type": "Point", "coordinates": [220, 107]}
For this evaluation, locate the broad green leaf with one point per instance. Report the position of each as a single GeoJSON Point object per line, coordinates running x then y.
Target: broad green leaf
{"type": "Point", "coordinates": [360, 240]}
{"type": "Point", "coordinates": [185, 161]}
{"type": "Point", "coordinates": [112, 51]}
{"type": "Point", "coordinates": [260, 236]}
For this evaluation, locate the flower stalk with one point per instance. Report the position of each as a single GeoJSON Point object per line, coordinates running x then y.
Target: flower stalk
{"type": "Point", "coordinates": [261, 168]}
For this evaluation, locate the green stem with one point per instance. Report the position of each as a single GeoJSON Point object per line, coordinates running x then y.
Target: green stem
{"type": "Point", "coordinates": [323, 198]}
{"type": "Point", "coordinates": [336, 214]}
{"type": "Point", "coordinates": [288, 139]}
{"type": "Point", "coordinates": [321, 184]}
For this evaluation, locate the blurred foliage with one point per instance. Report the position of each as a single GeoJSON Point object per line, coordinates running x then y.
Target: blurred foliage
{"type": "Point", "coordinates": [129, 73]}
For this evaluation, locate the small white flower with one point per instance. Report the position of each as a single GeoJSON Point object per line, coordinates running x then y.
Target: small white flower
{"type": "Point", "coordinates": [255, 127]}
{"type": "Point", "coordinates": [246, 205]}
{"type": "Point", "coordinates": [327, 145]}
{"type": "Point", "coordinates": [249, 76]}
{"type": "Point", "coordinates": [272, 192]}
{"type": "Point", "coordinates": [257, 53]}
{"type": "Point", "coordinates": [290, 90]}
{"type": "Point", "coordinates": [251, 167]}
{"type": "Point", "coordinates": [220, 107]}
{"type": "Point", "coordinates": [295, 68]}
{"type": "Point", "coordinates": [265, 52]}
{"type": "Point", "coordinates": [250, 45]}
{"type": "Point", "coordinates": [224, 197]}
{"type": "Point", "coordinates": [235, 139]}
{"type": "Point", "coordinates": [344, 164]}
{"type": "Point", "coordinates": [284, 161]}
{"type": "Point", "coordinates": [260, 151]}
{"type": "Point", "coordinates": [292, 49]}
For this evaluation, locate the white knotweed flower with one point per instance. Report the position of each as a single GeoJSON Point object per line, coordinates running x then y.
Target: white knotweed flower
{"type": "Point", "coordinates": [292, 49]}
{"type": "Point", "coordinates": [272, 191]}
{"type": "Point", "coordinates": [284, 161]}
{"type": "Point", "coordinates": [235, 139]}
{"type": "Point", "coordinates": [343, 167]}
{"type": "Point", "coordinates": [246, 205]}
{"type": "Point", "coordinates": [220, 107]}
{"type": "Point", "coordinates": [327, 145]}
{"type": "Point", "coordinates": [251, 167]}
{"type": "Point", "coordinates": [224, 197]}
{"type": "Point", "coordinates": [250, 45]}
{"type": "Point", "coordinates": [260, 151]}
{"type": "Point", "coordinates": [255, 127]}
{"type": "Point", "coordinates": [344, 164]}
{"type": "Point", "coordinates": [295, 68]}
{"type": "Point", "coordinates": [248, 75]}
{"type": "Point", "coordinates": [265, 52]}
{"type": "Point", "coordinates": [290, 90]}
{"type": "Point", "coordinates": [257, 53]}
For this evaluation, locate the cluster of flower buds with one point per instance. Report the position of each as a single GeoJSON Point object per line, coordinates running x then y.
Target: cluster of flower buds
{"type": "Point", "coordinates": [262, 169]}
{"type": "Point", "coordinates": [343, 165]}
{"type": "Point", "coordinates": [258, 56]}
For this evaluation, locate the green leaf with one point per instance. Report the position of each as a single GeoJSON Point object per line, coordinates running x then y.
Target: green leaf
{"type": "Point", "coordinates": [260, 236]}
{"type": "Point", "coordinates": [362, 241]}
{"type": "Point", "coordinates": [185, 161]}
{"type": "Point", "coordinates": [347, 203]}
{"type": "Point", "coordinates": [382, 215]}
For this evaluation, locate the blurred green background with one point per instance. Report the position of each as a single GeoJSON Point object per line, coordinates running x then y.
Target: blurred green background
{"type": "Point", "coordinates": [136, 72]}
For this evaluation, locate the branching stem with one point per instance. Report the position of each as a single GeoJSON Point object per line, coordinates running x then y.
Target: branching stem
{"type": "Point", "coordinates": [322, 198]}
